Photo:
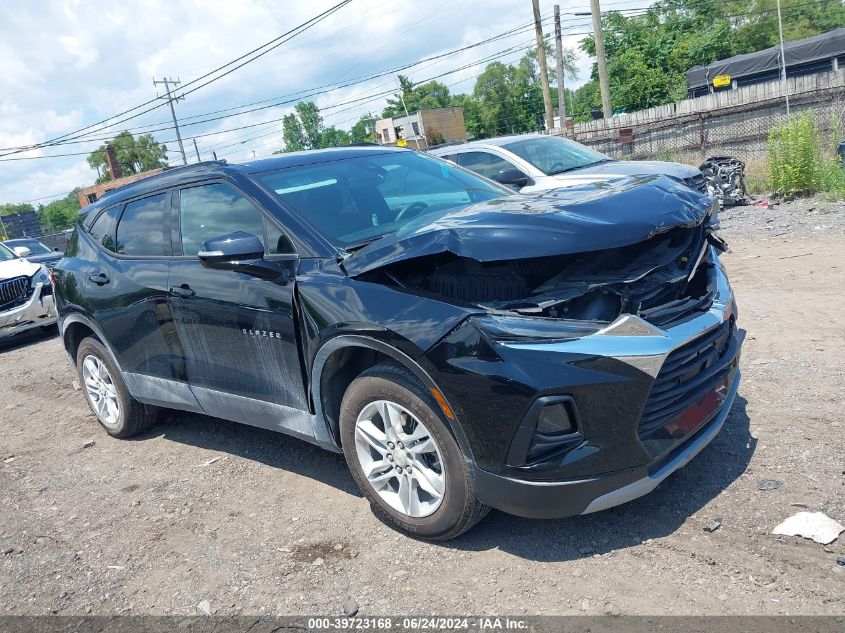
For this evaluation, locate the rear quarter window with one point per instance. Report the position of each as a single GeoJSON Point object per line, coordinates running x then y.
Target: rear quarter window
{"type": "Point", "coordinates": [144, 228]}
{"type": "Point", "coordinates": [102, 229]}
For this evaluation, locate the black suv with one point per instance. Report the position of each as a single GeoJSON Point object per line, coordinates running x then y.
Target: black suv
{"type": "Point", "coordinates": [464, 346]}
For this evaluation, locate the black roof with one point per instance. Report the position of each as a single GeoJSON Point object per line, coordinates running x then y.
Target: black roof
{"type": "Point", "coordinates": [176, 175]}
{"type": "Point", "coordinates": [819, 47]}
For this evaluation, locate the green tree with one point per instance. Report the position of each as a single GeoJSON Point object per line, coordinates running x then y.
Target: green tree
{"type": "Point", "coordinates": [432, 94]}
{"type": "Point", "coordinates": [303, 129]}
{"type": "Point", "coordinates": [10, 208]}
{"type": "Point", "coordinates": [364, 130]}
{"type": "Point", "coordinates": [59, 214]}
{"type": "Point", "coordinates": [292, 134]}
{"type": "Point", "coordinates": [134, 155]}
{"type": "Point", "coordinates": [334, 137]}
{"type": "Point", "coordinates": [649, 54]}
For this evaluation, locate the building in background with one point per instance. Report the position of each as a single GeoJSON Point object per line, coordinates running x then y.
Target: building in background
{"type": "Point", "coordinates": [427, 127]}
{"type": "Point", "coordinates": [817, 54]}
{"type": "Point", "coordinates": [90, 195]}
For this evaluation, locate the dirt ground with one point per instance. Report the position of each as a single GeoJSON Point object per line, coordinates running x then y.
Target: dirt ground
{"type": "Point", "coordinates": [202, 515]}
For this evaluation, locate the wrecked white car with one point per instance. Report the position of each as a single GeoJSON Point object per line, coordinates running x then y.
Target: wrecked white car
{"type": "Point", "coordinates": [26, 295]}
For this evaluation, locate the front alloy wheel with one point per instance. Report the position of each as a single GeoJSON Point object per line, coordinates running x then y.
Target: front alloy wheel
{"type": "Point", "coordinates": [400, 460]}
{"type": "Point", "coordinates": [403, 455]}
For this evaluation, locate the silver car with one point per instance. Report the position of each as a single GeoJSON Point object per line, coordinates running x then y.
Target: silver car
{"type": "Point", "coordinates": [534, 163]}
{"type": "Point", "coordinates": [26, 295]}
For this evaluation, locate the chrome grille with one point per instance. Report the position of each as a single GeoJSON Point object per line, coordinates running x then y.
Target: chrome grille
{"type": "Point", "coordinates": [13, 292]}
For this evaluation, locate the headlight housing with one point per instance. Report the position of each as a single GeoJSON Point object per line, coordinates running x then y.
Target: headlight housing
{"type": "Point", "coordinates": [41, 277]}
{"type": "Point", "coordinates": [522, 328]}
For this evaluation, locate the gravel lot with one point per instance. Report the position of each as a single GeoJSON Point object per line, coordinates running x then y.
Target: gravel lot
{"type": "Point", "coordinates": [202, 515]}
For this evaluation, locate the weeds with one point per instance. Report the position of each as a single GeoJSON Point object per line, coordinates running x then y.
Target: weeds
{"type": "Point", "coordinates": [802, 162]}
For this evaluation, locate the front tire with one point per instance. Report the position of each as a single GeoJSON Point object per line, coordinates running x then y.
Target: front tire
{"type": "Point", "coordinates": [117, 411]}
{"type": "Point", "coordinates": [403, 456]}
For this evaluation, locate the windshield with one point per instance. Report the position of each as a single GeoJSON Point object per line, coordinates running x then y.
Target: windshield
{"type": "Point", "coordinates": [554, 155]}
{"type": "Point", "coordinates": [6, 254]}
{"type": "Point", "coordinates": [35, 247]}
{"type": "Point", "coordinates": [357, 200]}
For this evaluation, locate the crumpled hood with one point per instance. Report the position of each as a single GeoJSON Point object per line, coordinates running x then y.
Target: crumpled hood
{"type": "Point", "coordinates": [16, 268]}
{"type": "Point", "coordinates": [590, 217]}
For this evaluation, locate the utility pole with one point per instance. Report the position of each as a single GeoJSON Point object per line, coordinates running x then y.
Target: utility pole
{"type": "Point", "coordinates": [783, 62]}
{"type": "Point", "coordinates": [601, 61]}
{"type": "Point", "coordinates": [197, 150]}
{"type": "Point", "coordinates": [544, 74]}
{"type": "Point", "coordinates": [170, 99]}
{"type": "Point", "coordinates": [408, 116]}
{"type": "Point", "coordinates": [561, 91]}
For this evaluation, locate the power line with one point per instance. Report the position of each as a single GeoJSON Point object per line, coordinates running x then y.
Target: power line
{"type": "Point", "coordinates": [305, 94]}
{"type": "Point", "coordinates": [268, 46]}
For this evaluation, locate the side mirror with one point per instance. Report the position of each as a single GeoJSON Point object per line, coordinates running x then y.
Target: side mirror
{"type": "Point", "coordinates": [22, 251]}
{"type": "Point", "coordinates": [512, 178]}
{"type": "Point", "coordinates": [230, 250]}
{"type": "Point", "coordinates": [239, 251]}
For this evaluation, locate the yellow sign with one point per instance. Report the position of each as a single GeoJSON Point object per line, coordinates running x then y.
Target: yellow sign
{"type": "Point", "coordinates": [721, 80]}
{"type": "Point", "coordinates": [401, 143]}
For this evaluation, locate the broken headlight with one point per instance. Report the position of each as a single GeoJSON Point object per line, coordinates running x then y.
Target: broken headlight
{"type": "Point", "coordinates": [522, 328]}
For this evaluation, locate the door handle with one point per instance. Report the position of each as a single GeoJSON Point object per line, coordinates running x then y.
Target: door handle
{"type": "Point", "coordinates": [184, 291]}
{"type": "Point", "coordinates": [98, 278]}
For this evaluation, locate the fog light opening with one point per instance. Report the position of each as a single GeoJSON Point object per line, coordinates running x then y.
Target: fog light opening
{"type": "Point", "coordinates": [555, 419]}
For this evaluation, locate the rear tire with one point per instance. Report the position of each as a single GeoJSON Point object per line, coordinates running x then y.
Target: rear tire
{"type": "Point", "coordinates": [412, 471]}
{"type": "Point", "coordinates": [117, 411]}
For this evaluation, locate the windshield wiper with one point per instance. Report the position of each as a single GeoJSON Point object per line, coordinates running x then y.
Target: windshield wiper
{"type": "Point", "coordinates": [565, 169]}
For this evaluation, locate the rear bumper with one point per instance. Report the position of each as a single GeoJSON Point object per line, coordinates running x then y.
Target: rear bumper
{"type": "Point", "coordinates": [37, 311]}
{"type": "Point", "coordinates": [547, 500]}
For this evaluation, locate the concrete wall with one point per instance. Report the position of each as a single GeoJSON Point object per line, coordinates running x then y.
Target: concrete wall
{"type": "Point", "coordinates": [444, 125]}
{"type": "Point", "coordinates": [436, 125]}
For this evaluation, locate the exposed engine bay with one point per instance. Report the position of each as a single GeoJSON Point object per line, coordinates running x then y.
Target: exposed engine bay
{"type": "Point", "coordinates": [661, 279]}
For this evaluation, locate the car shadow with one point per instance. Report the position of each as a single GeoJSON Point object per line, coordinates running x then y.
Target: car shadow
{"type": "Point", "coordinates": [276, 450]}
{"type": "Point", "coordinates": [657, 514]}
{"type": "Point", "coordinates": [27, 338]}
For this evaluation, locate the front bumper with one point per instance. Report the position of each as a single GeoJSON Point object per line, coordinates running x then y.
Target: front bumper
{"type": "Point", "coordinates": [37, 311]}
{"type": "Point", "coordinates": [549, 500]}
{"type": "Point", "coordinates": [628, 440]}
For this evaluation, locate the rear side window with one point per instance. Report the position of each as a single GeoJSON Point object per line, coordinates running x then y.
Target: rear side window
{"type": "Point", "coordinates": [483, 163]}
{"type": "Point", "coordinates": [102, 230]}
{"type": "Point", "coordinates": [144, 228]}
{"type": "Point", "coordinates": [209, 211]}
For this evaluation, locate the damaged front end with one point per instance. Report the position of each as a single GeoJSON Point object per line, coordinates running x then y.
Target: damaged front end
{"type": "Point", "coordinates": [663, 277]}
{"type": "Point", "coordinates": [600, 352]}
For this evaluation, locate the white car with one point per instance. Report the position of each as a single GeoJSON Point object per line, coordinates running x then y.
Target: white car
{"type": "Point", "coordinates": [534, 163]}
{"type": "Point", "coordinates": [26, 295]}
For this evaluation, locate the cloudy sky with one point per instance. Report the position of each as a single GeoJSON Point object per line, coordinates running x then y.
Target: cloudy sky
{"type": "Point", "coordinates": [66, 64]}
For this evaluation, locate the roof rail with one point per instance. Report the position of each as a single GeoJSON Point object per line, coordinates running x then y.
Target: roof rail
{"type": "Point", "coordinates": [439, 145]}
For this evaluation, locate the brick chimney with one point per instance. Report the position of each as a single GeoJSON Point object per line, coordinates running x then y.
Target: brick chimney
{"type": "Point", "coordinates": [111, 160]}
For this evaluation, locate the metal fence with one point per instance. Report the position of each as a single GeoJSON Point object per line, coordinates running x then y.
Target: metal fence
{"type": "Point", "coordinates": [735, 122]}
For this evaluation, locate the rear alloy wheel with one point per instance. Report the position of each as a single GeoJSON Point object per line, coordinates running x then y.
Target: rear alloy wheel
{"type": "Point", "coordinates": [403, 456]}
{"type": "Point", "coordinates": [116, 410]}
{"type": "Point", "coordinates": [102, 394]}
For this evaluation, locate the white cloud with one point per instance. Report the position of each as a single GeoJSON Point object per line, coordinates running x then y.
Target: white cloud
{"type": "Point", "coordinates": [94, 58]}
